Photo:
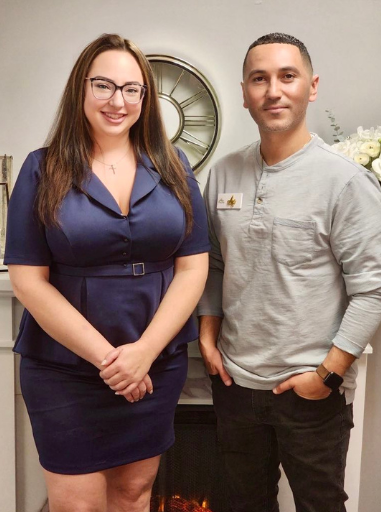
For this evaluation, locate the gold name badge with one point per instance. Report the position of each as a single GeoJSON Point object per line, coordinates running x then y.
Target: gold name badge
{"type": "Point", "coordinates": [230, 201]}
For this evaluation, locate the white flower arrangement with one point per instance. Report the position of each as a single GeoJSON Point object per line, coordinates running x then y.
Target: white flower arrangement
{"type": "Point", "coordinates": [364, 147]}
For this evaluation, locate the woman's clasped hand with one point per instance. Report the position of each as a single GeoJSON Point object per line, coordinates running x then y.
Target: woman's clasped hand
{"type": "Point", "coordinates": [126, 371]}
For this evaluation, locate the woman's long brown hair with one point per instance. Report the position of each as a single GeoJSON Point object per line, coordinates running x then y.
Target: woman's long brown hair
{"type": "Point", "coordinates": [70, 143]}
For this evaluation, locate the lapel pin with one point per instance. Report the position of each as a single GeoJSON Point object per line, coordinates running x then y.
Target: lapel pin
{"type": "Point", "coordinates": [231, 202]}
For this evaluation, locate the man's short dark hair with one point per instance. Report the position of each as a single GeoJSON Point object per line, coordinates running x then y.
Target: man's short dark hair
{"type": "Point", "coordinates": [279, 38]}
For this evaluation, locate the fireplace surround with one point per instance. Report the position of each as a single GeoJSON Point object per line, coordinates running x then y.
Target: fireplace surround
{"type": "Point", "coordinates": [191, 476]}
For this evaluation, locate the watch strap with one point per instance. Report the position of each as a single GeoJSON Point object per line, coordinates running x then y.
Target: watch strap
{"type": "Point", "coordinates": [322, 371]}
{"type": "Point", "coordinates": [331, 379]}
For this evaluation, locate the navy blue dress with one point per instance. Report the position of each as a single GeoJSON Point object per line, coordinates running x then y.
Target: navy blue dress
{"type": "Point", "coordinates": [115, 270]}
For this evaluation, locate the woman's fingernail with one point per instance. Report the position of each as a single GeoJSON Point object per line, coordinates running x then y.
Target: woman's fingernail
{"type": "Point", "coordinates": [103, 362]}
{"type": "Point", "coordinates": [116, 393]}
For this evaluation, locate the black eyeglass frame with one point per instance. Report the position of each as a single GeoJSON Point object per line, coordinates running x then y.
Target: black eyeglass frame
{"type": "Point", "coordinates": [143, 88]}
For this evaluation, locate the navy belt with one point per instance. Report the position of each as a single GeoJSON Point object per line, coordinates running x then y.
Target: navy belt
{"type": "Point", "coordinates": [114, 269]}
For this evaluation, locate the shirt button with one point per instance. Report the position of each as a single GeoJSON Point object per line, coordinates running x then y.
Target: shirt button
{"type": "Point", "coordinates": [125, 240]}
{"type": "Point", "coordinates": [259, 200]}
{"type": "Point", "coordinates": [124, 254]}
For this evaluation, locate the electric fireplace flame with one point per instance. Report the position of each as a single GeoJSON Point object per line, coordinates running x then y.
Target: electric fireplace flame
{"type": "Point", "coordinates": [178, 504]}
{"type": "Point", "coordinates": [191, 476]}
{"type": "Point", "coordinates": [161, 505]}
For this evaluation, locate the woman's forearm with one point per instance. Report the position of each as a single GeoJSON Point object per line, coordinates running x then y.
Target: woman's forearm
{"type": "Point", "coordinates": [55, 315]}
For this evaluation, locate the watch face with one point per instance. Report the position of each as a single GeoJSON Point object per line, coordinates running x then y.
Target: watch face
{"type": "Point", "coordinates": [189, 106]}
{"type": "Point", "coordinates": [333, 380]}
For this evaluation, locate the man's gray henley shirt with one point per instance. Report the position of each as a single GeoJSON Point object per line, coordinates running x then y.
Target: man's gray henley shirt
{"type": "Point", "coordinates": [297, 267]}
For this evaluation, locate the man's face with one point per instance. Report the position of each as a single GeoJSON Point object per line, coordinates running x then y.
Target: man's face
{"type": "Point", "coordinates": [277, 87]}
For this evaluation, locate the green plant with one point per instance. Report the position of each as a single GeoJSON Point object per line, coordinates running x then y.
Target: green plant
{"type": "Point", "coordinates": [337, 135]}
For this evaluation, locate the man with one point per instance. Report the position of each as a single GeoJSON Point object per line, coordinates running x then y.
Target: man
{"type": "Point", "coordinates": [293, 294]}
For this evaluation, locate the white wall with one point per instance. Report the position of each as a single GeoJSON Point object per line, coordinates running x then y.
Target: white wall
{"type": "Point", "coordinates": [40, 40]}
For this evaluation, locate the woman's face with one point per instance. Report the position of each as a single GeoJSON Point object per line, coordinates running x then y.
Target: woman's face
{"type": "Point", "coordinates": [112, 117]}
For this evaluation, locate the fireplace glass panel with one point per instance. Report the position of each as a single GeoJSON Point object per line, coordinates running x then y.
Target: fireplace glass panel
{"type": "Point", "coordinates": [191, 477]}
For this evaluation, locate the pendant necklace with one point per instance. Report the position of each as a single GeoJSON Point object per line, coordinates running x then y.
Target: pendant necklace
{"type": "Point", "coordinates": [112, 166]}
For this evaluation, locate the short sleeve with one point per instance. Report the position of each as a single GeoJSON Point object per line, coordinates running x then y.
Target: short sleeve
{"type": "Point", "coordinates": [26, 242]}
{"type": "Point", "coordinates": [197, 241]}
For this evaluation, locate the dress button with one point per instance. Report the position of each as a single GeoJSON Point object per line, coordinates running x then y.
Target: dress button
{"type": "Point", "coordinates": [259, 200]}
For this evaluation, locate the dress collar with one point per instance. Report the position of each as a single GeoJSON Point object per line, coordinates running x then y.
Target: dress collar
{"type": "Point", "coordinates": [146, 179]}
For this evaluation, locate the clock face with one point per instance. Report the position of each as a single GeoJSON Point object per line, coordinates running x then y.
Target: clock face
{"type": "Point", "coordinates": [189, 107]}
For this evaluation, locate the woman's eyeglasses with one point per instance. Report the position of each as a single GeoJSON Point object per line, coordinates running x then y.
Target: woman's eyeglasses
{"type": "Point", "coordinates": [104, 89]}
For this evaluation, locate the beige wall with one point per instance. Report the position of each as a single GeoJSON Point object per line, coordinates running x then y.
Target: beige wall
{"type": "Point", "coordinates": [40, 39]}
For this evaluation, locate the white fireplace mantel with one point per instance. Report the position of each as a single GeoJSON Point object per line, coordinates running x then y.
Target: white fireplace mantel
{"type": "Point", "coordinates": [9, 318]}
{"type": "Point", "coordinates": [7, 397]}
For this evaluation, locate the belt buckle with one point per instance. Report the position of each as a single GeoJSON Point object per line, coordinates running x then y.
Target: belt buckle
{"type": "Point", "coordinates": [135, 271]}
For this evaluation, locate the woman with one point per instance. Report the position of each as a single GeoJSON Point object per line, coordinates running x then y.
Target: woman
{"type": "Point", "coordinates": [107, 251]}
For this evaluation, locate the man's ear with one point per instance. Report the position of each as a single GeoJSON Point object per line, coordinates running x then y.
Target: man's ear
{"type": "Point", "coordinates": [244, 95]}
{"type": "Point", "coordinates": [314, 88]}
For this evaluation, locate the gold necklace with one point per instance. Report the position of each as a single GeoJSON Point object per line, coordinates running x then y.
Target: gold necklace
{"type": "Point", "coordinates": [112, 166]}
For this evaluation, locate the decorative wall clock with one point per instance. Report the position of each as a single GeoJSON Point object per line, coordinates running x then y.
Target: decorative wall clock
{"type": "Point", "coordinates": [190, 107]}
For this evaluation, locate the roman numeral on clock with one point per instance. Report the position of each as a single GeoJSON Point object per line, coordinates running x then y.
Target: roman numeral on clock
{"type": "Point", "coordinates": [199, 121]}
{"type": "Point", "coordinates": [192, 99]}
{"type": "Point", "coordinates": [193, 141]}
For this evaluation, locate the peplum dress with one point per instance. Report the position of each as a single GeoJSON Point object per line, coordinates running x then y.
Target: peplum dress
{"type": "Point", "coordinates": [115, 270]}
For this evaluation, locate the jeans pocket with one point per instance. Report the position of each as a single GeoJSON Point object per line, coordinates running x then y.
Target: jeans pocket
{"type": "Point", "coordinates": [292, 241]}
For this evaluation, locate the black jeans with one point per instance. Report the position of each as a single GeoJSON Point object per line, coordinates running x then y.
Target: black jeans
{"type": "Point", "coordinates": [258, 430]}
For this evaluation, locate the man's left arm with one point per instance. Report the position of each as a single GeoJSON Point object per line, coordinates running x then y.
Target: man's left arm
{"type": "Point", "coordinates": [355, 242]}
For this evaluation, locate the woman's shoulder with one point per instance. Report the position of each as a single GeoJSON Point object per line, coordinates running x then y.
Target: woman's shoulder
{"type": "Point", "coordinates": [31, 168]}
{"type": "Point", "coordinates": [37, 155]}
{"type": "Point", "coordinates": [34, 160]}
{"type": "Point", "coordinates": [186, 164]}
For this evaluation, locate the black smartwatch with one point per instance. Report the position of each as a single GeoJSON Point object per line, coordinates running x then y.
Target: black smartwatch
{"type": "Point", "coordinates": [331, 379]}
